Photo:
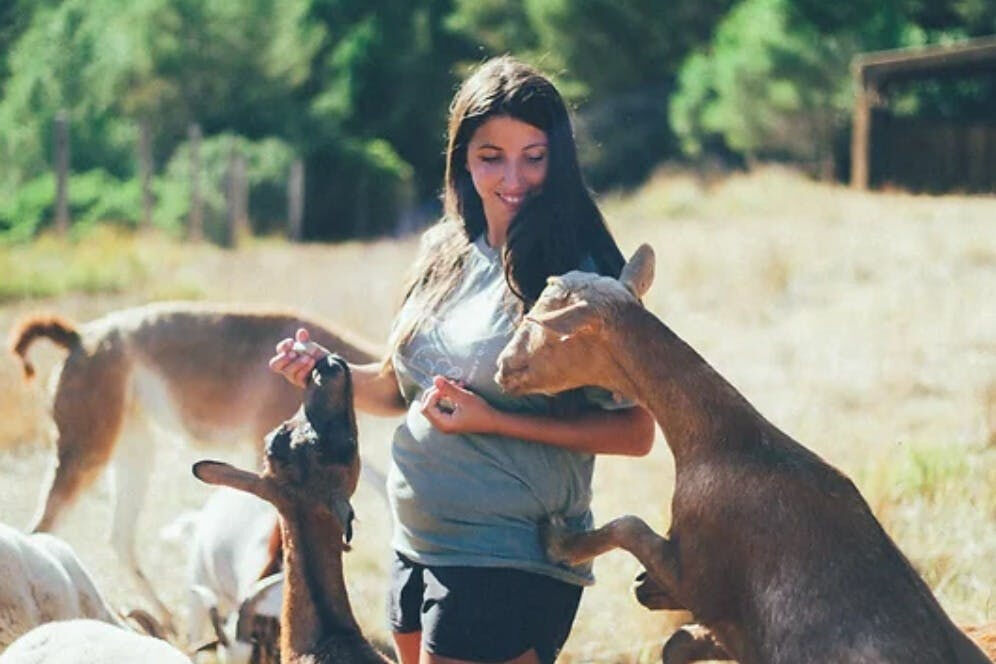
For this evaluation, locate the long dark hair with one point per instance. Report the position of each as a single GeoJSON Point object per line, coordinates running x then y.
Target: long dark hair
{"type": "Point", "coordinates": [555, 230]}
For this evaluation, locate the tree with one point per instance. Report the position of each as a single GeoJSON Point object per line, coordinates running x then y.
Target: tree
{"type": "Point", "coordinates": [775, 81]}
{"type": "Point", "coordinates": [615, 61]}
{"type": "Point", "coordinates": [765, 88]}
{"type": "Point", "coordinates": [174, 61]}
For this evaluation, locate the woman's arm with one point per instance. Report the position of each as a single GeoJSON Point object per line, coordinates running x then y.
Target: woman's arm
{"type": "Point", "coordinates": [375, 390]}
{"type": "Point", "coordinates": [629, 431]}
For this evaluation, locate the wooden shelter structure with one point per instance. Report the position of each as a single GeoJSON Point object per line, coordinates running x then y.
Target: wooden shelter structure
{"type": "Point", "coordinates": [915, 153]}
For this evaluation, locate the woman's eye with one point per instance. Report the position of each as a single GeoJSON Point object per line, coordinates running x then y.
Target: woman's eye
{"type": "Point", "coordinates": [535, 158]}
{"type": "Point", "coordinates": [490, 159]}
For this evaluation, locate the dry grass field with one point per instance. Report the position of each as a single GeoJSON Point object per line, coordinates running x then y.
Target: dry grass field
{"type": "Point", "coordinates": [863, 325]}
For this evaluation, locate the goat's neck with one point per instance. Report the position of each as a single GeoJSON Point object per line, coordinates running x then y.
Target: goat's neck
{"type": "Point", "coordinates": [316, 605]}
{"type": "Point", "coordinates": [695, 407]}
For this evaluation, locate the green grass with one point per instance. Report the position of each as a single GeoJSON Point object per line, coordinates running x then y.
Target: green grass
{"type": "Point", "coordinates": [936, 501]}
{"type": "Point", "coordinates": [100, 260]}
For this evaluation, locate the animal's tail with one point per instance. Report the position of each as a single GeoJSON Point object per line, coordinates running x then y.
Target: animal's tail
{"type": "Point", "coordinates": [58, 329]}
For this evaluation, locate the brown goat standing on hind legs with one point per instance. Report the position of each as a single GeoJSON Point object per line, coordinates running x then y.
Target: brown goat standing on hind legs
{"type": "Point", "coordinates": [770, 547]}
{"type": "Point", "coordinates": [312, 465]}
{"type": "Point", "coordinates": [198, 370]}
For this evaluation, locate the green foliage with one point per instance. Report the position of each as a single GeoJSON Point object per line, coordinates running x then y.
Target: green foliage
{"type": "Point", "coordinates": [366, 187]}
{"type": "Point", "coordinates": [96, 261]}
{"type": "Point", "coordinates": [384, 72]}
{"type": "Point", "coordinates": [620, 46]}
{"type": "Point", "coordinates": [170, 61]}
{"type": "Point", "coordinates": [359, 90]}
{"type": "Point", "coordinates": [764, 89]}
{"type": "Point", "coordinates": [94, 196]}
{"type": "Point", "coordinates": [775, 81]}
{"type": "Point", "coordinates": [22, 214]}
{"type": "Point", "coordinates": [498, 25]}
{"type": "Point", "coordinates": [615, 60]}
{"type": "Point", "coordinates": [268, 163]}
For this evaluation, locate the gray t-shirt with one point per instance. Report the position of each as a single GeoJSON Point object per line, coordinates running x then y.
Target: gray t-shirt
{"type": "Point", "coordinates": [477, 499]}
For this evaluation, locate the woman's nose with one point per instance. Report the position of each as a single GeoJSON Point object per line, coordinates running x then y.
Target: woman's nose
{"type": "Point", "coordinates": [512, 174]}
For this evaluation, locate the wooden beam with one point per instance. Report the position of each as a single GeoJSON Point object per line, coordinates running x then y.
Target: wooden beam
{"type": "Point", "coordinates": [861, 130]}
{"type": "Point", "coordinates": [972, 56]}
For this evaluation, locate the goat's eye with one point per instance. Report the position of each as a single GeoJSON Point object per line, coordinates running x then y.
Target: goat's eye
{"type": "Point", "coordinates": [278, 445]}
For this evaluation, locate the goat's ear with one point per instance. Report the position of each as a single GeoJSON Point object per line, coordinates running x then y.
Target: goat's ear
{"type": "Point", "coordinates": [638, 273]}
{"type": "Point", "coordinates": [568, 320]}
{"type": "Point", "coordinates": [218, 472]}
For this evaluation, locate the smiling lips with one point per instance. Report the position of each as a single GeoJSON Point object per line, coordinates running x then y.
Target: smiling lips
{"type": "Point", "coordinates": [513, 201]}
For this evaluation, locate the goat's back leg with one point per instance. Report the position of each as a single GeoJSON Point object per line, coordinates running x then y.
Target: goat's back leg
{"type": "Point", "coordinates": [87, 411]}
{"type": "Point", "coordinates": [72, 470]}
{"type": "Point", "coordinates": [132, 470]}
{"type": "Point", "coordinates": [629, 532]}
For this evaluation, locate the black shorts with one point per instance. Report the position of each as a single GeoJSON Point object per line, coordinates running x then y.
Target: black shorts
{"type": "Point", "coordinates": [481, 614]}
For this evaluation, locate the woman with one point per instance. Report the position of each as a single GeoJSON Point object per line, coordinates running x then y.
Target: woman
{"type": "Point", "coordinates": [473, 470]}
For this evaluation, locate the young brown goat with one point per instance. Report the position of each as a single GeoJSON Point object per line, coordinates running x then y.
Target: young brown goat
{"type": "Point", "coordinates": [310, 471]}
{"type": "Point", "coordinates": [770, 547]}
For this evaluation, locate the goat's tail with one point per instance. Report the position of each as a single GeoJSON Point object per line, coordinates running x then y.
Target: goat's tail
{"type": "Point", "coordinates": [59, 330]}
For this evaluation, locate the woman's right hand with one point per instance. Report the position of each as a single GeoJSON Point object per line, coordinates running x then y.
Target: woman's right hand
{"type": "Point", "coordinates": [296, 357]}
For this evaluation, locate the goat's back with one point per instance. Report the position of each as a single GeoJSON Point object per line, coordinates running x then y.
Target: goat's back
{"type": "Point", "coordinates": [784, 544]}
{"type": "Point", "coordinates": [43, 580]}
{"type": "Point", "coordinates": [212, 363]}
{"type": "Point", "coordinates": [91, 641]}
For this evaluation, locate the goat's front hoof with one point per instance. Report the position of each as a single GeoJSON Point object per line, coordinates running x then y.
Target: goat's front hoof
{"type": "Point", "coordinates": [653, 595]}
{"type": "Point", "coordinates": [553, 535]}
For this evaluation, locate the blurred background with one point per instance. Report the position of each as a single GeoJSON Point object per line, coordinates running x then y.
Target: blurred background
{"type": "Point", "coordinates": [325, 119]}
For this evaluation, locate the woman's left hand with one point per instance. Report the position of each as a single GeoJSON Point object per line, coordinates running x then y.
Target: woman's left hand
{"type": "Point", "coordinates": [452, 408]}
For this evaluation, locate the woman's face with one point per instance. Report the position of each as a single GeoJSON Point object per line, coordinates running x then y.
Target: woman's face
{"type": "Point", "coordinates": [507, 160]}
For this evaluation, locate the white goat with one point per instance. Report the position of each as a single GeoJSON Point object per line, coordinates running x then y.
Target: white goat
{"type": "Point", "coordinates": [43, 580]}
{"type": "Point", "coordinates": [91, 642]}
{"type": "Point", "coordinates": [233, 544]}
{"type": "Point", "coordinates": [230, 546]}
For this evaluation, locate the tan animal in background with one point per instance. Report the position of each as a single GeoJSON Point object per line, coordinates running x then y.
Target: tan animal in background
{"type": "Point", "coordinates": [195, 370]}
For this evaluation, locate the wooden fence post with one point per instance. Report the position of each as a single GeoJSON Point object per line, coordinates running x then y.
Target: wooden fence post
{"type": "Point", "coordinates": [62, 172]}
{"type": "Point", "coordinates": [295, 201]}
{"type": "Point", "coordinates": [237, 197]}
{"type": "Point", "coordinates": [145, 170]}
{"type": "Point", "coordinates": [196, 229]}
{"type": "Point", "coordinates": [861, 129]}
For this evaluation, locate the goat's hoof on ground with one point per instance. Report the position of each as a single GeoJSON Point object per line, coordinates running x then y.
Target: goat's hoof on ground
{"type": "Point", "coordinates": [553, 535]}
{"type": "Point", "coordinates": [691, 643]}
